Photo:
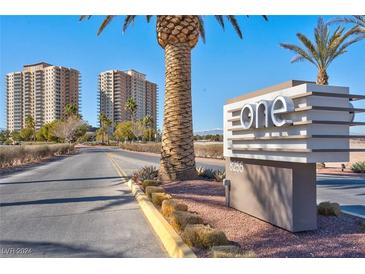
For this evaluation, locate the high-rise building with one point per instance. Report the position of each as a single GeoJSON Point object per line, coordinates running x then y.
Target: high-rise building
{"type": "Point", "coordinates": [41, 91]}
{"type": "Point", "coordinates": [116, 87]}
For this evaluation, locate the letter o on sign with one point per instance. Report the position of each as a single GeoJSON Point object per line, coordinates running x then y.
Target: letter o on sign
{"type": "Point", "coordinates": [247, 116]}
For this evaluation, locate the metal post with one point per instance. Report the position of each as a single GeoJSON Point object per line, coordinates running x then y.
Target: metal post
{"type": "Point", "coordinates": [227, 188]}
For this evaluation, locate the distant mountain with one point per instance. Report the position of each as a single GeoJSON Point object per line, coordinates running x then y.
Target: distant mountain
{"type": "Point", "coordinates": [209, 132]}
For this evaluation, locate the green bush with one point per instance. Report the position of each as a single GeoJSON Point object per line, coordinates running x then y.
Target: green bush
{"type": "Point", "coordinates": [203, 236]}
{"type": "Point", "coordinates": [230, 251]}
{"type": "Point", "coordinates": [147, 183]}
{"type": "Point", "coordinates": [358, 167]}
{"type": "Point", "coordinates": [180, 219]}
{"type": "Point", "coordinates": [146, 173]}
{"type": "Point", "coordinates": [172, 205]}
{"type": "Point", "coordinates": [16, 155]}
{"type": "Point", "coordinates": [153, 189]}
{"type": "Point", "coordinates": [157, 198]}
{"type": "Point", "coordinates": [329, 209]}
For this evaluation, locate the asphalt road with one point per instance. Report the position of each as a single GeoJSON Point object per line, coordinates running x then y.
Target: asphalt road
{"type": "Point", "coordinates": [78, 206]}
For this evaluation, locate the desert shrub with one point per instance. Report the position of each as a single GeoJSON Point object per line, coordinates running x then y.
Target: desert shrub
{"type": "Point", "coordinates": [146, 173]}
{"type": "Point", "coordinates": [209, 174]}
{"type": "Point", "coordinates": [230, 251]}
{"type": "Point", "coordinates": [158, 197]}
{"type": "Point", "coordinates": [329, 209]}
{"type": "Point", "coordinates": [16, 155]}
{"type": "Point", "coordinates": [219, 175]}
{"type": "Point", "coordinates": [209, 150]}
{"type": "Point", "coordinates": [362, 225]}
{"type": "Point", "coordinates": [147, 183]}
{"type": "Point", "coordinates": [201, 150]}
{"type": "Point", "coordinates": [358, 167]}
{"type": "Point", "coordinates": [203, 236]}
{"type": "Point", "coordinates": [153, 189]}
{"type": "Point", "coordinates": [170, 206]}
{"type": "Point", "coordinates": [140, 147]}
{"type": "Point", "coordinates": [200, 171]}
{"type": "Point", "coordinates": [180, 219]}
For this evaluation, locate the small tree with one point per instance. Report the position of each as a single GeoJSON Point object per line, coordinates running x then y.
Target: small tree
{"type": "Point", "coordinates": [4, 136]}
{"type": "Point", "coordinates": [149, 134]}
{"type": "Point", "coordinates": [138, 129]}
{"type": "Point", "coordinates": [27, 134]}
{"type": "Point", "coordinates": [66, 130]}
{"type": "Point", "coordinates": [45, 133]}
{"type": "Point", "coordinates": [124, 132]}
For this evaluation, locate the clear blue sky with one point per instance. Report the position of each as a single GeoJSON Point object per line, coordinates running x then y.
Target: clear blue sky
{"type": "Point", "coordinates": [222, 68]}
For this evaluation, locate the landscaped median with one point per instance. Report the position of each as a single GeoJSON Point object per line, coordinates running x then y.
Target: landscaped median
{"type": "Point", "coordinates": [11, 156]}
{"type": "Point", "coordinates": [178, 226]}
{"type": "Point", "coordinates": [196, 211]}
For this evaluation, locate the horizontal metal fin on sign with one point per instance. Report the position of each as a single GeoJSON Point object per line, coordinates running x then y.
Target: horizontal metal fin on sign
{"type": "Point", "coordinates": [295, 137]}
{"type": "Point", "coordinates": [295, 150]}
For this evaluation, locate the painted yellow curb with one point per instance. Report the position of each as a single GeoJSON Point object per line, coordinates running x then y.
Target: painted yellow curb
{"type": "Point", "coordinates": [172, 242]}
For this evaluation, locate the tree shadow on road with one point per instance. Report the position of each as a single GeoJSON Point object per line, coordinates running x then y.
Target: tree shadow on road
{"type": "Point", "coordinates": [51, 249]}
{"type": "Point", "coordinates": [64, 180]}
{"type": "Point", "coordinates": [116, 198]}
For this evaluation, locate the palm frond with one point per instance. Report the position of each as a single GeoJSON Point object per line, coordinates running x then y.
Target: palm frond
{"type": "Point", "coordinates": [201, 28]}
{"type": "Point", "coordinates": [148, 18]}
{"type": "Point", "coordinates": [83, 17]}
{"type": "Point", "coordinates": [308, 44]}
{"type": "Point", "coordinates": [299, 51]}
{"type": "Point", "coordinates": [220, 20]}
{"type": "Point", "coordinates": [358, 20]}
{"type": "Point", "coordinates": [127, 21]}
{"type": "Point", "coordinates": [232, 19]}
{"type": "Point", "coordinates": [106, 22]}
{"type": "Point", "coordinates": [343, 49]}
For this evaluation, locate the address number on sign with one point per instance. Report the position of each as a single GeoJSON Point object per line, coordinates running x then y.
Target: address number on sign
{"type": "Point", "coordinates": [236, 167]}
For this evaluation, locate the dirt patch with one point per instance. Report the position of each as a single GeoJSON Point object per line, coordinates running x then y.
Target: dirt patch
{"type": "Point", "coordinates": [335, 237]}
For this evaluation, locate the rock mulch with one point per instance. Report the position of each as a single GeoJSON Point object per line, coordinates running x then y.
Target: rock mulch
{"type": "Point", "coordinates": [336, 236]}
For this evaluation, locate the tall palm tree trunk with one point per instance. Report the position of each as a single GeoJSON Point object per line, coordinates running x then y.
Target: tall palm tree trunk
{"type": "Point", "coordinates": [322, 77]}
{"type": "Point", "coordinates": [177, 153]}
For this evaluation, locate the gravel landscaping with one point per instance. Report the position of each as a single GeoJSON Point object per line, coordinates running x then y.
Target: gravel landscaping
{"type": "Point", "coordinates": [335, 237]}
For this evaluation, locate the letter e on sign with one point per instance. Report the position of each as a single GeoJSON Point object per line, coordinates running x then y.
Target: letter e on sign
{"type": "Point", "coordinates": [281, 105]}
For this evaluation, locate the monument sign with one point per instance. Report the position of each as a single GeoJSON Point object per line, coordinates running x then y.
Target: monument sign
{"type": "Point", "coordinates": [273, 139]}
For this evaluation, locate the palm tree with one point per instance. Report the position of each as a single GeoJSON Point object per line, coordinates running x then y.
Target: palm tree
{"type": "Point", "coordinates": [326, 48]}
{"type": "Point", "coordinates": [131, 106]}
{"type": "Point", "coordinates": [105, 123]}
{"type": "Point", "coordinates": [30, 124]}
{"type": "Point", "coordinates": [148, 121]}
{"type": "Point", "coordinates": [71, 110]}
{"type": "Point", "coordinates": [177, 35]}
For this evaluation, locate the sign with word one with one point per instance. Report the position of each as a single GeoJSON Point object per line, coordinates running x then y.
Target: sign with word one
{"type": "Point", "coordinates": [272, 140]}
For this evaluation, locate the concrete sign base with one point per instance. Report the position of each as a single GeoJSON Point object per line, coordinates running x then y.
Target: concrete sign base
{"type": "Point", "coordinates": [281, 193]}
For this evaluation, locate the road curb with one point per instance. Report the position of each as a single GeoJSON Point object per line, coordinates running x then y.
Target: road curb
{"type": "Point", "coordinates": [172, 242]}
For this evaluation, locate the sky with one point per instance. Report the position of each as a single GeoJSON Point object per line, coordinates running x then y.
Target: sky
{"type": "Point", "coordinates": [222, 68]}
